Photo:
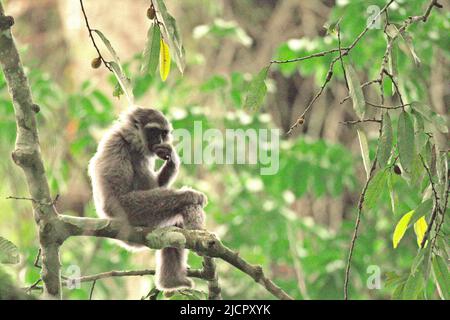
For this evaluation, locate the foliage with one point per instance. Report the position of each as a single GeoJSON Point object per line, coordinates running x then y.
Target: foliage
{"type": "Point", "coordinates": [257, 213]}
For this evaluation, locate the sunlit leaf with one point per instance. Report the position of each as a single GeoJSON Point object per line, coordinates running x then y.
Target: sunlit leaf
{"type": "Point", "coordinates": [9, 253]}
{"type": "Point", "coordinates": [170, 33]}
{"type": "Point", "coordinates": [257, 90]}
{"type": "Point", "coordinates": [422, 210]}
{"type": "Point", "coordinates": [150, 56]}
{"type": "Point", "coordinates": [359, 104]}
{"type": "Point", "coordinates": [420, 227]}
{"type": "Point", "coordinates": [385, 142]}
{"type": "Point", "coordinates": [364, 146]}
{"type": "Point", "coordinates": [401, 227]}
{"type": "Point", "coordinates": [164, 60]}
{"type": "Point", "coordinates": [406, 146]}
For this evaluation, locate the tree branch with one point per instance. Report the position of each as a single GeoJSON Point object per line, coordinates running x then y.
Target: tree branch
{"type": "Point", "coordinates": [202, 242]}
{"type": "Point", "coordinates": [300, 119]}
{"type": "Point", "coordinates": [27, 155]}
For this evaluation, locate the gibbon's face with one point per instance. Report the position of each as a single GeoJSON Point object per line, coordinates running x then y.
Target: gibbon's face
{"type": "Point", "coordinates": [155, 135]}
{"type": "Point", "coordinates": [155, 127]}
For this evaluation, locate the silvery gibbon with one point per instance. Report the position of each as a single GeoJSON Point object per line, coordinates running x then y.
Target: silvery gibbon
{"type": "Point", "coordinates": [126, 186]}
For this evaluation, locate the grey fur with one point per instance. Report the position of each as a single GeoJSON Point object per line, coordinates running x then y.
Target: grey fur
{"type": "Point", "coordinates": [126, 186]}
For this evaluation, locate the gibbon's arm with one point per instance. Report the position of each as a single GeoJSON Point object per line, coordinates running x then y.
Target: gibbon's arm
{"type": "Point", "coordinates": [169, 170]}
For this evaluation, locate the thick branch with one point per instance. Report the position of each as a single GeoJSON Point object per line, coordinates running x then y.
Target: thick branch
{"type": "Point", "coordinates": [27, 155]}
{"type": "Point", "coordinates": [200, 241]}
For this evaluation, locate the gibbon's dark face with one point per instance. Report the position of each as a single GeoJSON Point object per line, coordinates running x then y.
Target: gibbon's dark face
{"type": "Point", "coordinates": [155, 127]}
{"type": "Point", "coordinates": [155, 136]}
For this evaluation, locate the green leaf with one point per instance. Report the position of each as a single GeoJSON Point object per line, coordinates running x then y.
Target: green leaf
{"type": "Point", "coordinates": [124, 81]}
{"type": "Point", "coordinates": [375, 188]}
{"type": "Point", "coordinates": [398, 291]}
{"type": "Point", "coordinates": [388, 87]}
{"type": "Point", "coordinates": [117, 92]}
{"type": "Point", "coordinates": [393, 66]}
{"type": "Point", "coordinates": [9, 253]}
{"type": "Point", "coordinates": [364, 146]}
{"type": "Point", "coordinates": [435, 119]}
{"type": "Point", "coordinates": [392, 194]}
{"type": "Point", "coordinates": [408, 40]}
{"type": "Point", "coordinates": [170, 33]}
{"type": "Point", "coordinates": [257, 90]}
{"type": "Point", "coordinates": [440, 270]}
{"type": "Point", "coordinates": [385, 143]}
{"type": "Point", "coordinates": [359, 104]}
{"type": "Point", "coordinates": [150, 56]}
{"type": "Point", "coordinates": [401, 227]}
{"type": "Point", "coordinates": [108, 46]}
{"type": "Point", "coordinates": [332, 27]}
{"type": "Point", "coordinates": [406, 146]}
{"type": "Point", "coordinates": [413, 286]}
{"type": "Point", "coordinates": [117, 70]}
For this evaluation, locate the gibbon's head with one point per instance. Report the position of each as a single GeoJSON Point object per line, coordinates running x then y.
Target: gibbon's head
{"type": "Point", "coordinates": [151, 126]}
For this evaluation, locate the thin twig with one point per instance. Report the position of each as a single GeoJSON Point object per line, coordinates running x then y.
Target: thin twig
{"type": "Point", "coordinates": [90, 30]}
{"type": "Point", "coordinates": [41, 203]}
{"type": "Point", "coordinates": [365, 84]}
{"type": "Point", "coordinates": [92, 289]}
{"type": "Point", "coordinates": [351, 122]}
{"type": "Point", "coordinates": [357, 223]}
{"type": "Point", "coordinates": [301, 118]}
{"type": "Point", "coordinates": [131, 273]}
{"type": "Point", "coordinates": [340, 54]}
{"type": "Point", "coordinates": [436, 208]}
{"type": "Point", "coordinates": [379, 106]}
{"type": "Point", "coordinates": [314, 55]}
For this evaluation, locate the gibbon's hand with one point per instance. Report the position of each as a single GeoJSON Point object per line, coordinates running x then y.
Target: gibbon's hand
{"type": "Point", "coordinates": [165, 151]}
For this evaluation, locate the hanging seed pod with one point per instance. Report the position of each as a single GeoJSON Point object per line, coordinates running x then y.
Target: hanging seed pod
{"type": "Point", "coordinates": [151, 13]}
{"type": "Point", "coordinates": [397, 170]}
{"type": "Point", "coordinates": [96, 63]}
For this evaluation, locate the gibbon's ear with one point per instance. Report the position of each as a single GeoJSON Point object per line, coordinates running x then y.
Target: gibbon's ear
{"type": "Point", "coordinates": [135, 123]}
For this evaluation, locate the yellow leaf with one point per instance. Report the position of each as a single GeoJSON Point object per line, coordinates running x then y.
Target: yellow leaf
{"type": "Point", "coordinates": [420, 227]}
{"type": "Point", "coordinates": [164, 60]}
{"type": "Point", "coordinates": [400, 228]}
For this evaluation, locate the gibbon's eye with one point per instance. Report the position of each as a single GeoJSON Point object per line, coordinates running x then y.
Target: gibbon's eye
{"type": "Point", "coordinates": [152, 132]}
{"type": "Point", "coordinates": [164, 134]}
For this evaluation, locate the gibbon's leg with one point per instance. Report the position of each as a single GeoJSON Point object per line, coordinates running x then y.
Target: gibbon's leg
{"type": "Point", "coordinates": [157, 207]}
{"type": "Point", "coordinates": [194, 217]}
{"type": "Point", "coordinates": [171, 270]}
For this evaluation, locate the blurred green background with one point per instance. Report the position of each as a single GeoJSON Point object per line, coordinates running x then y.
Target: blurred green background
{"type": "Point", "coordinates": [298, 223]}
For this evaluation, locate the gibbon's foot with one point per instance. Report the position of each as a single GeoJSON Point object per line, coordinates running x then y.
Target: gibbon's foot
{"type": "Point", "coordinates": [175, 283]}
